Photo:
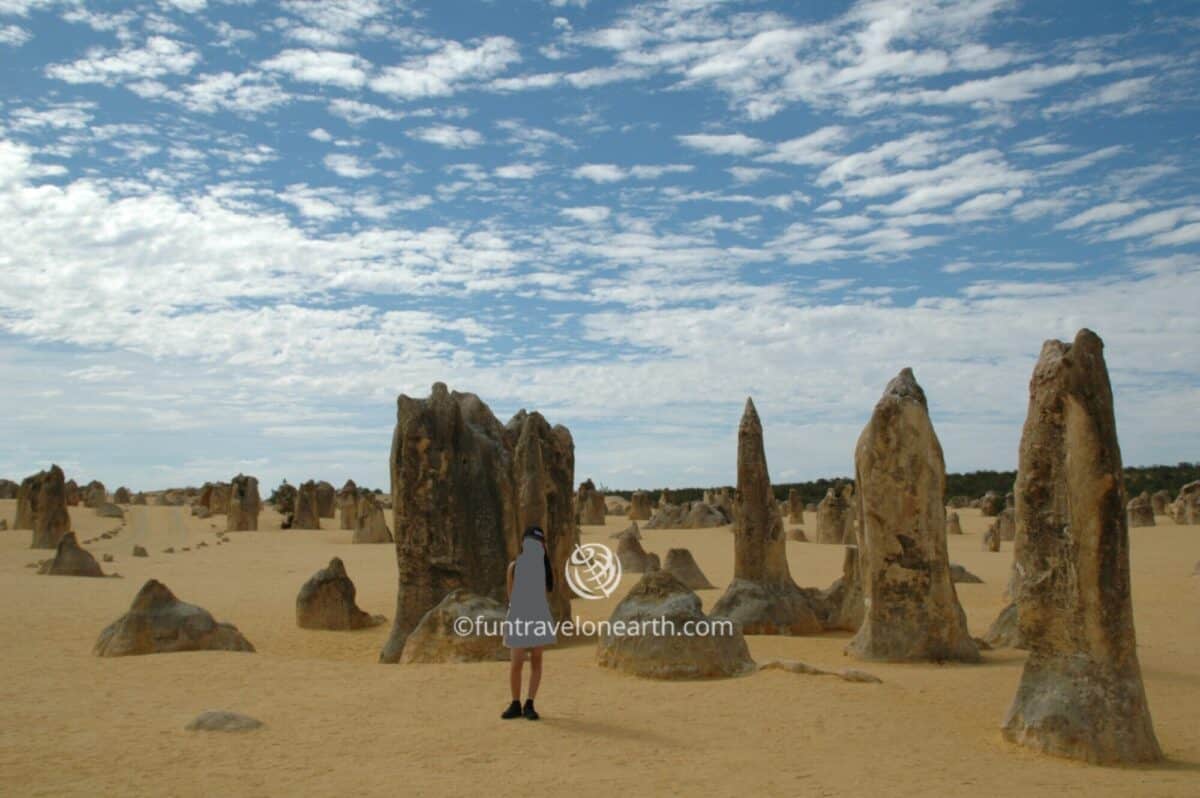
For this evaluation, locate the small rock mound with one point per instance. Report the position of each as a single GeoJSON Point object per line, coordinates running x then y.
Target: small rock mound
{"type": "Point", "coordinates": [1140, 510]}
{"type": "Point", "coordinates": [223, 720]}
{"type": "Point", "coordinates": [682, 565]}
{"type": "Point", "coordinates": [71, 560]}
{"type": "Point", "coordinates": [661, 600]}
{"type": "Point", "coordinates": [109, 510]}
{"type": "Point", "coordinates": [960, 575]}
{"type": "Point", "coordinates": [629, 531]}
{"type": "Point", "coordinates": [438, 637]}
{"type": "Point", "coordinates": [159, 623]}
{"type": "Point", "coordinates": [326, 601]}
{"type": "Point", "coordinates": [370, 522]}
{"type": "Point", "coordinates": [953, 527]}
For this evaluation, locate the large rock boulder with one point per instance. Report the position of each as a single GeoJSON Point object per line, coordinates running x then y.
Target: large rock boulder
{"type": "Point", "coordinates": [9, 489]}
{"type": "Point", "coordinates": [284, 498]}
{"type": "Point", "coordinates": [1005, 525]}
{"type": "Point", "coordinates": [616, 505]}
{"type": "Point", "coordinates": [589, 505]}
{"type": "Point", "coordinates": [94, 494]}
{"type": "Point", "coordinates": [159, 623]}
{"type": "Point", "coordinates": [795, 505]}
{"type": "Point", "coordinates": [122, 496]}
{"type": "Point", "coordinates": [370, 525]}
{"type": "Point", "coordinates": [42, 507]}
{"type": "Point", "coordinates": [1140, 510]}
{"type": "Point", "coordinates": [991, 503]}
{"type": "Point", "coordinates": [683, 566]}
{"type": "Point", "coordinates": [244, 505]}
{"type": "Point", "coordinates": [215, 497]}
{"type": "Point", "coordinates": [306, 514]}
{"type": "Point", "coordinates": [327, 601]}
{"type": "Point", "coordinates": [347, 503]}
{"type": "Point", "coordinates": [71, 560]}
{"type": "Point", "coordinates": [439, 636]}
{"type": "Point", "coordinates": [1186, 507]}
{"type": "Point", "coordinates": [762, 598]}
{"type": "Point", "coordinates": [655, 604]}
{"type": "Point", "coordinates": [639, 506]}
{"type": "Point", "coordinates": [633, 557]}
{"type": "Point", "coordinates": [953, 527]}
{"type": "Point", "coordinates": [912, 609]}
{"type": "Point", "coordinates": [841, 605]}
{"type": "Point", "coordinates": [1081, 692]}
{"type": "Point", "coordinates": [831, 518]}
{"type": "Point", "coordinates": [326, 500]}
{"type": "Point", "coordinates": [1160, 501]}
{"type": "Point", "coordinates": [464, 488]}
{"type": "Point", "coordinates": [691, 515]}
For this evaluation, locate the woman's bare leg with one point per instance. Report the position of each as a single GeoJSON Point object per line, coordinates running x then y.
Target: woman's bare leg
{"type": "Point", "coordinates": [517, 658]}
{"type": "Point", "coordinates": [535, 671]}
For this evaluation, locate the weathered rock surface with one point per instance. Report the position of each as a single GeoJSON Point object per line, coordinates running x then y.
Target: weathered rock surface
{"type": "Point", "coordinates": [71, 560]}
{"type": "Point", "coordinates": [683, 566]}
{"type": "Point", "coordinates": [94, 494]}
{"type": "Point", "coordinates": [42, 507]}
{"type": "Point", "coordinates": [327, 601]}
{"type": "Point", "coordinates": [1081, 692]}
{"type": "Point", "coordinates": [631, 554]}
{"type": "Point", "coordinates": [795, 506]}
{"type": "Point", "coordinates": [326, 500]}
{"type": "Point", "coordinates": [306, 514]}
{"type": "Point", "coordinates": [9, 489]}
{"type": "Point", "coordinates": [639, 506]}
{"type": "Point", "coordinates": [122, 496]}
{"type": "Point", "coordinates": [284, 498]}
{"type": "Point", "coordinates": [589, 504]}
{"type": "Point", "coordinates": [616, 505]}
{"type": "Point", "coordinates": [140, 551]}
{"type": "Point", "coordinates": [1186, 507]}
{"type": "Point", "coordinates": [223, 721]}
{"type": "Point", "coordinates": [953, 527]}
{"type": "Point", "coordinates": [831, 518]}
{"type": "Point", "coordinates": [692, 515]}
{"type": "Point", "coordinates": [762, 598]}
{"type": "Point", "coordinates": [244, 505]}
{"type": "Point", "coordinates": [109, 510]}
{"type": "Point", "coordinates": [1160, 501]}
{"type": "Point", "coordinates": [991, 503]}
{"type": "Point", "coordinates": [841, 604]}
{"type": "Point", "coordinates": [961, 576]}
{"type": "Point", "coordinates": [347, 502]}
{"type": "Point", "coordinates": [1140, 510]}
{"type": "Point", "coordinates": [370, 525]}
{"type": "Point", "coordinates": [912, 608]}
{"type": "Point", "coordinates": [215, 497]}
{"type": "Point", "coordinates": [159, 623]}
{"type": "Point", "coordinates": [659, 598]}
{"type": "Point", "coordinates": [795, 666]}
{"type": "Point", "coordinates": [464, 488]}
{"type": "Point", "coordinates": [435, 639]}
{"type": "Point", "coordinates": [629, 531]}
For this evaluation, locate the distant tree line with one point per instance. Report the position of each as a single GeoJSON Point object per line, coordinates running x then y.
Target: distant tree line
{"type": "Point", "coordinates": [972, 485]}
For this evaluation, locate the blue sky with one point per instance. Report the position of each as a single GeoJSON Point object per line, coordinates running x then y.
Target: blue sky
{"type": "Point", "coordinates": [234, 232]}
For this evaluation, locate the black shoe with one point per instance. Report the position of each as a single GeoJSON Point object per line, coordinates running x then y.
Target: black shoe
{"type": "Point", "coordinates": [529, 712]}
{"type": "Point", "coordinates": [513, 711]}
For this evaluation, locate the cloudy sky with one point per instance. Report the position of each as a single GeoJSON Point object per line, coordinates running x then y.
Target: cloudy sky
{"type": "Point", "coordinates": [233, 232]}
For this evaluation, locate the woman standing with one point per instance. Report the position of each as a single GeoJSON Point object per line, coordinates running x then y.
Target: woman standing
{"type": "Point", "coordinates": [529, 627]}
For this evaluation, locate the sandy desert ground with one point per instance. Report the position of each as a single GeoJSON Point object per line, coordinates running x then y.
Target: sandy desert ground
{"type": "Point", "coordinates": [339, 723]}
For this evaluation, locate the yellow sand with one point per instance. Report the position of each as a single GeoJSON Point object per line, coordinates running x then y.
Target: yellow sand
{"type": "Point", "coordinates": [338, 723]}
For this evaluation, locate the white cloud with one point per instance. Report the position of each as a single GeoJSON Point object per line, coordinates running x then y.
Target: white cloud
{"type": "Point", "coordinates": [1108, 212]}
{"type": "Point", "coordinates": [14, 35]}
{"type": "Point", "coordinates": [588, 214]}
{"type": "Point", "coordinates": [723, 144]}
{"type": "Point", "coordinates": [326, 67]}
{"type": "Point", "coordinates": [451, 68]}
{"type": "Point", "coordinates": [248, 93]}
{"type": "Point", "coordinates": [519, 171]}
{"type": "Point", "coordinates": [600, 172]}
{"type": "Point", "coordinates": [157, 57]}
{"type": "Point", "coordinates": [320, 134]}
{"type": "Point", "coordinates": [357, 112]}
{"type": "Point", "coordinates": [345, 165]}
{"type": "Point", "coordinates": [448, 136]}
